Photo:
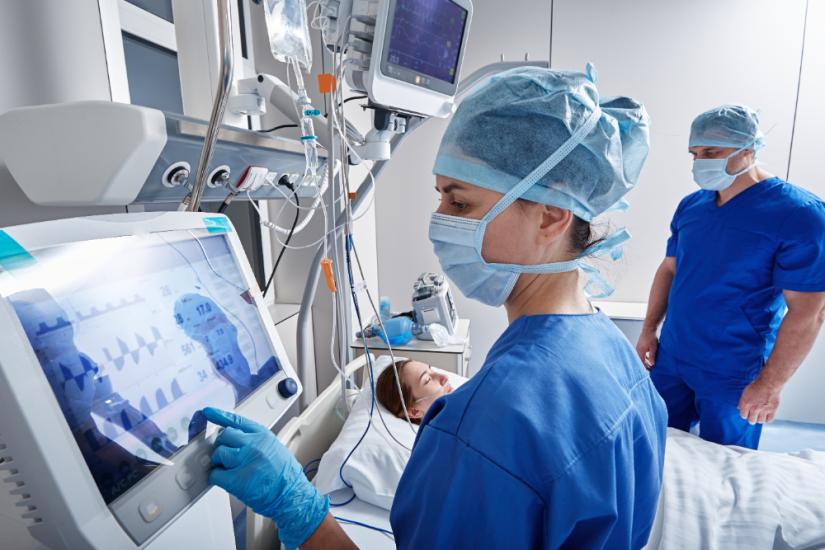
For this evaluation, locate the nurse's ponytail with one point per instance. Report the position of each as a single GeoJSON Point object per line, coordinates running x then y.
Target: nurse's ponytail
{"type": "Point", "coordinates": [581, 236]}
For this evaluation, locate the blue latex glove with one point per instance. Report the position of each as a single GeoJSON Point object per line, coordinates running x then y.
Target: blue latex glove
{"type": "Point", "coordinates": [250, 462]}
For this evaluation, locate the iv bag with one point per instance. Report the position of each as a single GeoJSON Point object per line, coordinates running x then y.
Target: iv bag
{"type": "Point", "coordinates": [286, 24]}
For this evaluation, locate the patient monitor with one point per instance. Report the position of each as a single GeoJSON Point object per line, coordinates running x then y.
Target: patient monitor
{"type": "Point", "coordinates": [115, 332]}
{"type": "Point", "coordinates": [405, 54]}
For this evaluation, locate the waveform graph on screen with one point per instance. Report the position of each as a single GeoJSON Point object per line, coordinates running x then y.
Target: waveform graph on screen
{"type": "Point", "coordinates": [157, 400]}
{"type": "Point", "coordinates": [143, 348]}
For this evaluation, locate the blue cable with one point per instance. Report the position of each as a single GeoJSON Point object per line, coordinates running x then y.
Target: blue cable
{"type": "Point", "coordinates": [360, 524]}
{"type": "Point", "coordinates": [369, 363]}
{"type": "Point", "coordinates": [310, 463]}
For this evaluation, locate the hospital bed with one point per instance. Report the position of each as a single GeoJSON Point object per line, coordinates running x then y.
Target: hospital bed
{"type": "Point", "coordinates": [310, 434]}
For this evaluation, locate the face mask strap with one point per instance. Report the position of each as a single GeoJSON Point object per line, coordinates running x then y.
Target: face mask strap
{"type": "Point", "coordinates": [596, 286]}
{"type": "Point", "coordinates": [751, 165]}
{"type": "Point", "coordinates": [609, 245]}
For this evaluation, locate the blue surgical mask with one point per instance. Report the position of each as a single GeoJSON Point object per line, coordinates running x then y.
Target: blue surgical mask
{"type": "Point", "coordinates": [712, 174]}
{"type": "Point", "coordinates": [457, 241]}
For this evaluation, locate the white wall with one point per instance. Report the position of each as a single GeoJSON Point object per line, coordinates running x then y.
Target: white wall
{"type": "Point", "coordinates": [406, 196]}
{"type": "Point", "coordinates": [802, 398]}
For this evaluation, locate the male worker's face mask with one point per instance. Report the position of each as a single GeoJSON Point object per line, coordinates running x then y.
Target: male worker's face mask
{"type": "Point", "coordinates": [712, 174]}
{"type": "Point", "coordinates": [457, 241]}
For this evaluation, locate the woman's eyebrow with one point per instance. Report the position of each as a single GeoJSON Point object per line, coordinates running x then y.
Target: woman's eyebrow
{"type": "Point", "coordinates": [449, 188]}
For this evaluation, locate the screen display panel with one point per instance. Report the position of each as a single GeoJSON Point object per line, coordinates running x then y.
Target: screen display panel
{"type": "Point", "coordinates": [135, 336]}
{"type": "Point", "coordinates": [426, 37]}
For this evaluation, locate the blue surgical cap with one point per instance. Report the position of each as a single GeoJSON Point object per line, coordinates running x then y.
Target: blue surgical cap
{"type": "Point", "coordinates": [515, 120]}
{"type": "Point", "coordinates": [727, 126]}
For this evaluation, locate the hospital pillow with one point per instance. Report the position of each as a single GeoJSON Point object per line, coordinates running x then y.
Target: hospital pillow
{"type": "Point", "coordinates": [375, 468]}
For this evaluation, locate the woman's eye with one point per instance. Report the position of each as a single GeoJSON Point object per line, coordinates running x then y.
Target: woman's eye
{"type": "Point", "coordinates": [458, 205]}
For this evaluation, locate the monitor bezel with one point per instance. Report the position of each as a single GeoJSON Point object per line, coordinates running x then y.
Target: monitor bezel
{"type": "Point", "coordinates": [414, 78]}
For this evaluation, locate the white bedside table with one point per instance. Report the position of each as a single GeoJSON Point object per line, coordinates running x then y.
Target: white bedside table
{"type": "Point", "coordinates": [453, 358]}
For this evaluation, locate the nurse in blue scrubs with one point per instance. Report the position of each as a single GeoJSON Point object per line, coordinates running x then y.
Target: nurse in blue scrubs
{"type": "Point", "coordinates": [741, 289]}
{"type": "Point", "coordinates": [559, 440]}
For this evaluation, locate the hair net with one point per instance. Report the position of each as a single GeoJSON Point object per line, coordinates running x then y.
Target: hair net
{"type": "Point", "coordinates": [727, 126]}
{"type": "Point", "coordinates": [515, 120]}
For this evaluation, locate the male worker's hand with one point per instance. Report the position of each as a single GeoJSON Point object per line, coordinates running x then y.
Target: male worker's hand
{"type": "Point", "coordinates": [759, 401]}
{"type": "Point", "coordinates": [646, 347]}
{"type": "Point", "coordinates": [250, 462]}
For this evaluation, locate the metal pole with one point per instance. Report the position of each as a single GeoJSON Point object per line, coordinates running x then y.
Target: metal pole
{"type": "Point", "coordinates": [219, 106]}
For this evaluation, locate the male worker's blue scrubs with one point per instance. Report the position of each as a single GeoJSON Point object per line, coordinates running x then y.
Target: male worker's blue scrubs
{"type": "Point", "coordinates": [726, 301]}
{"type": "Point", "coordinates": [558, 441]}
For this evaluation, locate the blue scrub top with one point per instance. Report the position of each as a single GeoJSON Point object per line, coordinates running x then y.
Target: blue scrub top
{"type": "Point", "coordinates": [558, 441]}
{"type": "Point", "coordinates": [732, 264]}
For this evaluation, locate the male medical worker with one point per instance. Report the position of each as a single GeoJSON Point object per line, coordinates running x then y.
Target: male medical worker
{"type": "Point", "coordinates": [558, 441]}
{"type": "Point", "coordinates": [743, 250]}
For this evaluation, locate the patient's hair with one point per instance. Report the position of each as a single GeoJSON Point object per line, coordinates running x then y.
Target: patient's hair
{"type": "Point", "coordinates": [386, 390]}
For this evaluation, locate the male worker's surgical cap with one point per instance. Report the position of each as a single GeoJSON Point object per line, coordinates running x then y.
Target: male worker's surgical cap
{"type": "Point", "coordinates": [513, 122]}
{"type": "Point", "coordinates": [727, 126]}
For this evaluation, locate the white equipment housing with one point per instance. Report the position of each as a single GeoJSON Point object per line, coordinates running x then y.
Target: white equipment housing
{"type": "Point", "coordinates": [433, 303]}
{"type": "Point", "coordinates": [405, 54]}
{"type": "Point", "coordinates": [139, 301]}
{"type": "Point", "coordinates": [117, 154]}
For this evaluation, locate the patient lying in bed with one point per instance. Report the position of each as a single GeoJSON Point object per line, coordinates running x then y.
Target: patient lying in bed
{"type": "Point", "coordinates": [420, 385]}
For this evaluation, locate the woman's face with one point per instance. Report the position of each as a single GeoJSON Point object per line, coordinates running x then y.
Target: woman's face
{"type": "Point", "coordinates": [524, 233]}
{"type": "Point", "coordinates": [426, 385]}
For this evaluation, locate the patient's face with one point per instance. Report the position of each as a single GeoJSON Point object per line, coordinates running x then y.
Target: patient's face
{"type": "Point", "coordinates": [426, 385]}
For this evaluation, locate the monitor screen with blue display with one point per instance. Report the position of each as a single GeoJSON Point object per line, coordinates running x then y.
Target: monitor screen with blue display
{"type": "Point", "coordinates": [426, 38]}
{"type": "Point", "coordinates": [135, 336]}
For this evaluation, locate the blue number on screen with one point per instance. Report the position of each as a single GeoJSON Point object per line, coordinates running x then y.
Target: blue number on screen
{"type": "Point", "coordinates": [187, 348]}
{"type": "Point", "coordinates": [204, 308]}
{"type": "Point", "coordinates": [224, 361]}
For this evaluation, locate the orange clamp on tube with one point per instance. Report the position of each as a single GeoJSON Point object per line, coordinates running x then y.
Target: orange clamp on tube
{"type": "Point", "coordinates": [326, 266]}
{"type": "Point", "coordinates": [326, 83]}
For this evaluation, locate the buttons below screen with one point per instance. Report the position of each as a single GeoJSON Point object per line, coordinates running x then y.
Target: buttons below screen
{"type": "Point", "coordinates": [185, 479]}
{"type": "Point", "coordinates": [150, 511]}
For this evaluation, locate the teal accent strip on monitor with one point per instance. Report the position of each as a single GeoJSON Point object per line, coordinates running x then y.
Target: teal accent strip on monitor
{"type": "Point", "coordinates": [12, 255]}
{"type": "Point", "coordinates": [218, 224]}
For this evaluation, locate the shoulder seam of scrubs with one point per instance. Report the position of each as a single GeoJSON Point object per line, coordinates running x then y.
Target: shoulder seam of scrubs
{"type": "Point", "coordinates": [468, 445]}
{"type": "Point", "coordinates": [473, 396]}
{"type": "Point", "coordinates": [812, 202]}
{"type": "Point", "coordinates": [584, 452]}
{"type": "Point", "coordinates": [633, 385]}
{"type": "Point", "coordinates": [608, 430]}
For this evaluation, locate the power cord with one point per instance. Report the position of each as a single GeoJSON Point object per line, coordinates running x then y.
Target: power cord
{"type": "Point", "coordinates": [281, 127]}
{"type": "Point", "coordinates": [286, 183]}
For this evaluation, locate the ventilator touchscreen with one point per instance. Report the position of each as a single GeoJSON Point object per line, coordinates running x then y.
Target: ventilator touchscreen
{"type": "Point", "coordinates": [135, 336]}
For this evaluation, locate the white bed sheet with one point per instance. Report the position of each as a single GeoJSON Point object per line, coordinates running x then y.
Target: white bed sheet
{"type": "Point", "coordinates": [716, 497]}
{"type": "Point", "coordinates": [358, 510]}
